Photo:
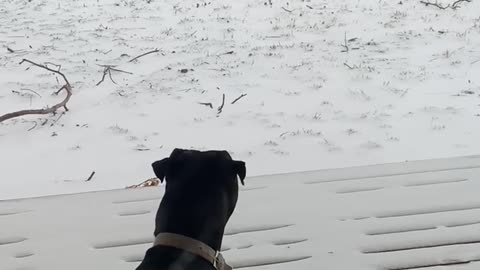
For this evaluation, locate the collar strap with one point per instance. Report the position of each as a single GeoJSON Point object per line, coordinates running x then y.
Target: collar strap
{"type": "Point", "coordinates": [192, 246]}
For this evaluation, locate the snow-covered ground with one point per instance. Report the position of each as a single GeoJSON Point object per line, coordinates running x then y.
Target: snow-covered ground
{"type": "Point", "coordinates": [407, 87]}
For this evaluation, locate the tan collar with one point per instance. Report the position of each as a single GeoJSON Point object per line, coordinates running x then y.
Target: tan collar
{"type": "Point", "coordinates": [193, 246]}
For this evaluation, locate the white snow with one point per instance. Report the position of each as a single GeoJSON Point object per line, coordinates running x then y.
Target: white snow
{"type": "Point", "coordinates": [407, 89]}
{"type": "Point", "coordinates": [282, 222]}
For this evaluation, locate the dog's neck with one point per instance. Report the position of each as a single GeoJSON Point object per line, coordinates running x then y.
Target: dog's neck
{"type": "Point", "coordinates": [187, 222]}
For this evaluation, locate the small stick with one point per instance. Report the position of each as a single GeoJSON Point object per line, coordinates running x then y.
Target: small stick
{"type": "Point", "coordinates": [142, 55]}
{"type": "Point", "coordinates": [119, 70]}
{"type": "Point", "coordinates": [287, 10]}
{"type": "Point", "coordinates": [33, 126]}
{"type": "Point", "coordinates": [30, 90]}
{"type": "Point", "coordinates": [238, 98]}
{"type": "Point", "coordinates": [53, 64]}
{"type": "Point", "coordinates": [90, 177]}
{"type": "Point", "coordinates": [220, 109]}
{"type": "Point", "coordinates": [206, 104]}
{"type": "Point", "coordinates": [110, 75]}
{"type": "Point", "coordinates": [347, 65]}
{"type": "Point", "coordinates": [54, 122]}
{"type": "Point", "coordinates": [105, 69]}
{"type": "Point", "coordinates": [225, 53]}
{"type": "Point", "coordinates": [346, 44]}
{"type": "Point", "coordinates": [454, 5]}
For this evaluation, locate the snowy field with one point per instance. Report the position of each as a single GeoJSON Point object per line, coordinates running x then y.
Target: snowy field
{"type": "Point", "coordinates": [328, 84]}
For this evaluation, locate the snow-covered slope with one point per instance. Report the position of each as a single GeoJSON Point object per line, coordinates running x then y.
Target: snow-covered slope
{"type": "Point", "coordinates": [406, 89]}
{"type": "Point", "coordinates": [395, 216]}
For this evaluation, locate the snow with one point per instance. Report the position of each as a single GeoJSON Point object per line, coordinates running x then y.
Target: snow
{"type": "Point", "coordinates": [286, 222]}
{"type": "Point", "coordinates": [407, 89]}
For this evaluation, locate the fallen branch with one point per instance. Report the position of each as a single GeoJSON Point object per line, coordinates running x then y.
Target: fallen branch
{"type": "Point", "coordinates": [238, 98]}
{"type": "Point", "coordinates": [67, 87]}
{"type": "Point", "coordinates": [454, 5]}
{"type": "Point", "coordinates": [220, 109]}
{"type": "Point", "coordinates": [142, 55]}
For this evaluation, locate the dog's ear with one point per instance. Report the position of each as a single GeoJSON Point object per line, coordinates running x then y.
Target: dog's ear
{"type": "Point", "coordinates": [240, 170]}
{"type": "Point", "coordinates": [161, 167]}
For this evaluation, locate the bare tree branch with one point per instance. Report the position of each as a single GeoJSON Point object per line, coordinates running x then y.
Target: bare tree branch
{"type": "Point", "coordinates": [67, 87]}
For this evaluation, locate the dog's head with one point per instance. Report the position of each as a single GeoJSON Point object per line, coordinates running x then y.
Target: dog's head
{"type": "Point", "coordinates": [203, 179]}
{"type": "Point", "coordinates": [191, 164]}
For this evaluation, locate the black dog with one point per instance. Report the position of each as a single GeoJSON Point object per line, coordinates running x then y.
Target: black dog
{"type": "Point", "coordinates": [200, 195]}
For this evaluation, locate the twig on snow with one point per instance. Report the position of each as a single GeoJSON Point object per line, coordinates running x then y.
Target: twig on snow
{"type": "Point", "coordinates": [454, 5]}
{"type": "Point", "coordinates": [53, 64]}
{"type": "Point", "coordinates": [30, 90]}
{"type": "Point", "coordinates": [107, 69]}
{"type": "Point", "coordinates": [67, 87]}
{"type": "Point", "coordinates": [220, 109]}
{"type": "Point", "coordinates": [142, 55]}
{"type": "Point", "coordinates": [90, 177]}
{"type": "Point", "coordinates": [287, 10]}
{"type": "Point", "coordinates": [238, 98]}
{"type": "Point", "coordinates": [345, 45]}
{"type": "Point", "coordinates": [225, 53]}
{"type": "Point", "coordinates": [347, 65]}
{"type": "Point", "coordinates": [56, 120]}
{"type": "Point", "coordinates": [34, 126]}
{"type": "Point", "coordinates": [208, 104]}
